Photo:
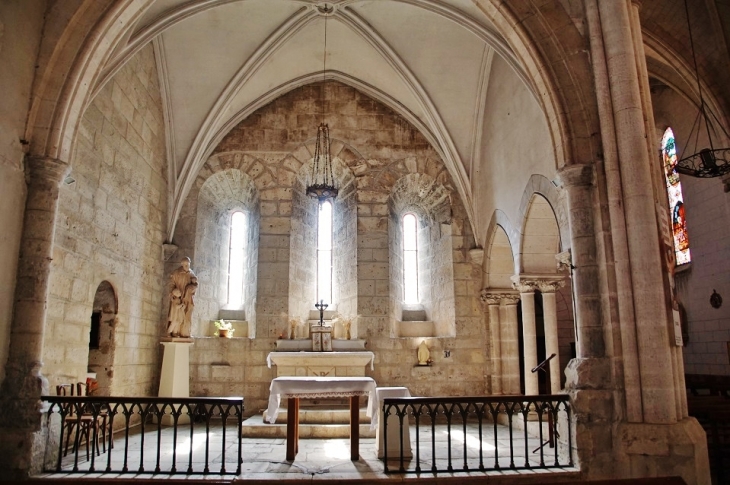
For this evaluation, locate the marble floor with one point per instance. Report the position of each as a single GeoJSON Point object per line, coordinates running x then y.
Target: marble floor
{"type": "Point", "coordinates": [263, 459]}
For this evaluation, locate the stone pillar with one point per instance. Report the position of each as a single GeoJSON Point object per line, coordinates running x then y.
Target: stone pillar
{"type": "Point", "coordinates": [650, 302]}
{"type": "Point", "coordinates": [577, 181]}
{"type": "Point", "coordinates": [510, 343]}
{"type": "Point", "coordinates": [491, 301]}
{"type": "Point", "coordinates": [529, 333]}
{"type": "Point", "coordinates": [621, 264]}
{"type": "Point", "coordinates": [21, 449]}
{"type": "Point", "coordinates": [550, 315]}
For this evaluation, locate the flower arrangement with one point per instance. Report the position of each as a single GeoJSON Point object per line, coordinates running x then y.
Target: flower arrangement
{"type": "Point", "coordinates": [346, 323]}
{"type": "Point", "coordinates": [224, 328]}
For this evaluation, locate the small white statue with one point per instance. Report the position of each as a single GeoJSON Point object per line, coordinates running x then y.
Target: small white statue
{"type": "Point", "coordinates": [424, 355]}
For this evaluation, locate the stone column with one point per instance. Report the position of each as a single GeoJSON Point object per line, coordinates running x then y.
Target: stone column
{"type": "Point", "coordinates": [650, 302]}
{"type": "Point", "coordinates": [20, 407]}
{"type": "Point", "coordinates": [491, 301]}
{"type": "Point", "coordinates": [510, 343]}
{"type": "Point", "coordinates": [529, 333]}
{"type": "Point", "coordinates": [550, 316]}
{"type": "Point", "coordinates": [577, 181]}
{"type": "Point", "coordinates": [621, 264]}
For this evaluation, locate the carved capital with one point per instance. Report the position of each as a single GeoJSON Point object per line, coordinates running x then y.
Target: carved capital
{"type": "Point", "coordinates": [510, 299]}
{"type": "Point", "coordinates": [523, 284]}
{"type": "Point", "coordinates": [498, 296]}
{"type": "Point", "coordinates": [46, 169]}
{"type": "Point", "coordinates": [489, 297]}
{"type": "Point", "coordinates": [564, 260]}
{"type": "Point", "coordinates": [550, 286]}
{"type": "Point", "coordinates": [546, 283]}
{"type": "Point", "coordinates": [575, 175]}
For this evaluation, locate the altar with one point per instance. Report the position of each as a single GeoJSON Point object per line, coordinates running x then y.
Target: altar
{"type": "Point", "coordinates": [294, 388]}
{"type": "Point", "coordinates": [323, 364]}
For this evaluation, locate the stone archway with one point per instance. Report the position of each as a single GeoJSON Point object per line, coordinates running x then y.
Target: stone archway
{"type": "Point", "coordinates": [102, 337]}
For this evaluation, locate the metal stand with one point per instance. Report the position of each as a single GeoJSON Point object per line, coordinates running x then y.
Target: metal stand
{"type": "Point", "coordinates": [544, 366]}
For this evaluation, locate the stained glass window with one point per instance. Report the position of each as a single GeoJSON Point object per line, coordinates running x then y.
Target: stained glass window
{"type": "Point", "coordinates": [676, 201]}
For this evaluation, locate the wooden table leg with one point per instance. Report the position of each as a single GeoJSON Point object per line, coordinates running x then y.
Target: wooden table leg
{"type": "Point", "coordinates": [354, 427]}
{"type": "Point", "coordinates": [292, 428]}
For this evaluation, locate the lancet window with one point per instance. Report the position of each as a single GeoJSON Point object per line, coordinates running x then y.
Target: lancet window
{"type": "Point", "coordinates": [410, 258]}
{"type": "Point", "coordinates": [236, 260]}
{"type": "Point", "coordinates": [324, 252]}
{"type": "Point", "coordinates": [675, 199]}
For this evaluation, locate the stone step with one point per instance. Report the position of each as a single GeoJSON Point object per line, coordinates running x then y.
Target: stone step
{"type": "Point", "coordinates": [320, 415]}
{"type": "Point", "coordinates": [314, 422]}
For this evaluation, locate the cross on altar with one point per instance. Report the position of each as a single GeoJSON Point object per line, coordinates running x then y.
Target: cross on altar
{"type": "Point", "coordinates": [321, 306]}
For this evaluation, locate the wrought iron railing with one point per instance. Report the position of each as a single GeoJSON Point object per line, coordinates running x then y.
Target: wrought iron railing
{"type": "Point", "coordinates": [482, 433]}
{"type": "Point", "coordinates": [189, 435]}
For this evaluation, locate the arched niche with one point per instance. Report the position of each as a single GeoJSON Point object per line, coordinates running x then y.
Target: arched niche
{"type": "Point", "coordinates": [500, 263]}
{"type": "Point", "coordinates": [430, 202]}
{"type": "Point", "coordinates": [102, 337]}
{"type": "Point", "coordinates": [303, 244]}
{"type": "Point", "coordinates": [223, 193]}
{"type": "Point", "coordinates": [540, 237]}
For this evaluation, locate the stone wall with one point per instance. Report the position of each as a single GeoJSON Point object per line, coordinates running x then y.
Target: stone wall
{"type": "Point", "coordinates": [110, 226]}
{"type": "Point", "coordinates": [376, 153]}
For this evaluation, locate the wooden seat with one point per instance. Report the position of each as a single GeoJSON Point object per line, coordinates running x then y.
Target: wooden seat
{"type": "Point", "coordinates": [87, 426]}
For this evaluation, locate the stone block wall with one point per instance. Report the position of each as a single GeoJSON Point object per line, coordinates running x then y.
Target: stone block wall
{"type": "Point", "coordinates": [110, 227]}
{"type": "Point", "coordinates": [345, 241]}
{"type": "Point", "coordinates": [231, 367]}
{"type": "Point", "coordinates": [303, 263]}
{"type": "Point", "coordinates": [708, 212]}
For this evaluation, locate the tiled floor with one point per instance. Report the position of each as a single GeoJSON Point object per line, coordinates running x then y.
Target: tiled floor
{"type": "Point", "coordinates": [264, 458]}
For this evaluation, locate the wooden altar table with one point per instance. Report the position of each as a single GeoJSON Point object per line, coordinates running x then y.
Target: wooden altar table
{"type": "Point", "coordinates": [314, 387]}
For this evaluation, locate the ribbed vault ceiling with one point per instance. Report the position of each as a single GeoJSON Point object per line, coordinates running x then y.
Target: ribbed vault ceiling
{"type": "Point", "coordinates": [220, 60]}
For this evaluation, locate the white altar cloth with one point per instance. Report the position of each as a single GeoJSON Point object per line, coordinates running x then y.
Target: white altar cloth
{"type": "Point", "coordinates": [312, 387]}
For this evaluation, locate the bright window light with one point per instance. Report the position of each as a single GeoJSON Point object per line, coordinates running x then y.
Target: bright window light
{"type": "Point", "coordinates": [324, 252]}
{"type": "Point", "coordinates": [236, 260]}
{"type": "Point", "coordinates": [410, 259]}
{"type": "Point", "coordinates": [676, 200]}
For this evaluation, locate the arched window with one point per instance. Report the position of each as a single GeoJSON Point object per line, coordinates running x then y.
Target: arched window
{"type": "Point", "coordinates": [410, 258]}
{"type": "Point", "coordinates": [324, 252]}
{"type": "Point", "coordinates": [236, 260]}
{"type": "Point", "coordinates": [676, 201]}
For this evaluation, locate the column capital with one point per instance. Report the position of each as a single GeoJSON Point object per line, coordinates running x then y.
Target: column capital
{"type": "Point", "coordinates": [550, 286]}
{"type": "Point", "coordinates": [575, 175]}
{"type": "Point", "coordinates": [46, 168]}
{"type": "Point", "coordinates": [546, 283]}
{"type": "Point", "coordinates": [496, 296]}
{"type": "Point", "coordinates": [523, 284]}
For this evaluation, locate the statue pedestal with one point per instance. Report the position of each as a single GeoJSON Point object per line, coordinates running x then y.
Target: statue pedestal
{"type": "Point", "coordinates": [175, 375]}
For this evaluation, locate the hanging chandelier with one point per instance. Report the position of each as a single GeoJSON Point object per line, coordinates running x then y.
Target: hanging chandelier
{"type": "Point", "coordinates": [707, 162]}
{"type": "Point", "coordinates": [322, 182]}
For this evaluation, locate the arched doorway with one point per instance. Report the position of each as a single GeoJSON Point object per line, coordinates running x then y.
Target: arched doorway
{"type": "Point", "coordinates": [102, 337]}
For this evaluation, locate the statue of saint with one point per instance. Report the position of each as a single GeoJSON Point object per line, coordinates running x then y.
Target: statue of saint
{"type": "Point", "coordinates": [182, 287]}
{"type": "Point", "coordinates": [423, 354]}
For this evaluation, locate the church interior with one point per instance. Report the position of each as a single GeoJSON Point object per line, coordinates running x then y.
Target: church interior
{"type": "Point", "coordinates": [512, 179]}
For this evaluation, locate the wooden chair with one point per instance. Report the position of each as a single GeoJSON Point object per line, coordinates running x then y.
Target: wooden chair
{"type": "Point", "coordinates": [83, 424]}
{"type": "Point", "coordinates": [101, 421]}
